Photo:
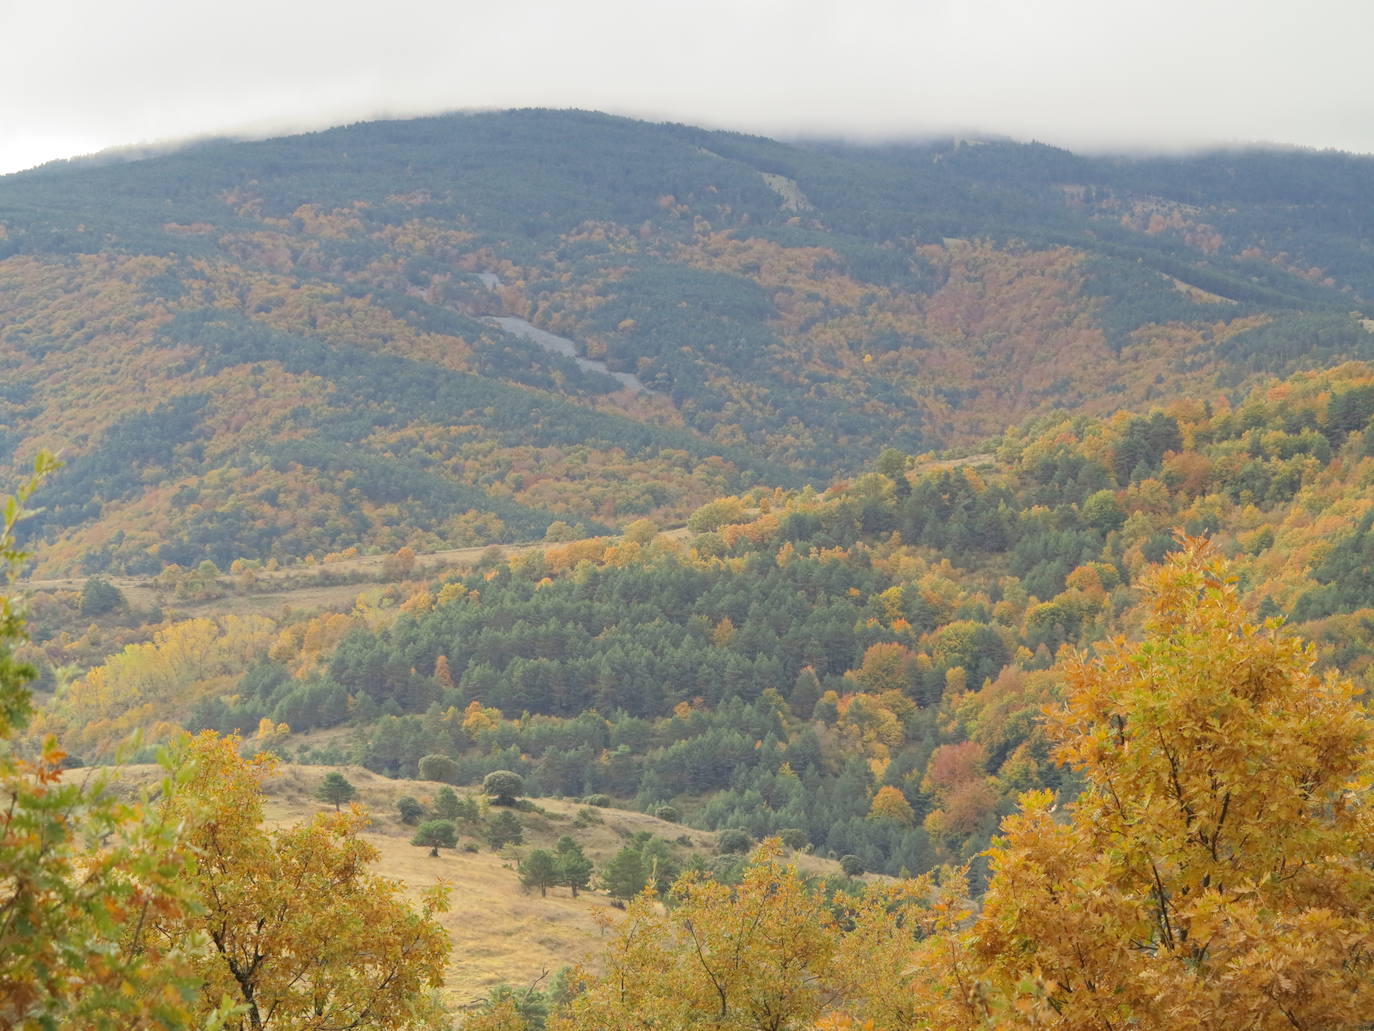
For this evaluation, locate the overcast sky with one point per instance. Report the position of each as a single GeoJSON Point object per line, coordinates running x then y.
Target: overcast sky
{"type": "Point", "coordinates": [81, 75]}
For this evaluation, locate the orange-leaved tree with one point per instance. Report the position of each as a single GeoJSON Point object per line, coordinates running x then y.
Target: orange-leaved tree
{"type": "Point", "coordinates": [1218, 869]}
{"type": "Point", "coordinates": [764, 953]}
{"type": "Point", "coordinates": [302, 935]}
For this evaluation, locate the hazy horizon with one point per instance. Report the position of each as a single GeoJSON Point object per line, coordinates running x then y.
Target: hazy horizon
{"type": "Point", "coordinates": [141, 149]}
{"type": "Point", "coordinates": [1169, 76]}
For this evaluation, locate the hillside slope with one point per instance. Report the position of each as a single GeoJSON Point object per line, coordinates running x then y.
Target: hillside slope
{"type": "Point", "coordinates": [289, 347]}
{"type": "Point", "coordinates": [861, 669]}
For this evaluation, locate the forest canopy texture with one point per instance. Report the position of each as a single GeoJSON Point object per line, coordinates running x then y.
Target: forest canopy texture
{"type": "Point", "coordinates": [943, 520]}
{"type": "Point", "coordinates": [1216, 868]}
{"type": "Point", "coordinates": [1215, 871]}
{"type": "Point", "coordinates": [290, 347]}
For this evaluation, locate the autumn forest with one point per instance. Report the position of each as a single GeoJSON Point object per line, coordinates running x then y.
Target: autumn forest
{"type": "Point", "coordinates": [870, 587]}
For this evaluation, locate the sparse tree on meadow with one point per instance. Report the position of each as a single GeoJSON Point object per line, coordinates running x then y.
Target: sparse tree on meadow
{"type": "Point", "coordinates": [504, 786]}
{"type": "Point", "coordinates": [539, 870]}
{"type": "Point", "coordinates": [436, 834]}
{"type": "Point", "coordinates": [336, 789]}
{"type": "Point", "coordinates": [504, 829]}
{"type": "Point", "coordinates": [574, 868]}
{"type": "Point", "coordinates": [624, 876]}
{"type": "Point", "coordinates": [446, 805]}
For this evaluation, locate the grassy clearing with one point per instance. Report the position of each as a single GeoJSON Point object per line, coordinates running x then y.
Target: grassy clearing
{"type": "Point", "coordinates": [303, 588]}
{"type": "Point", "coordinates": [499, 932]}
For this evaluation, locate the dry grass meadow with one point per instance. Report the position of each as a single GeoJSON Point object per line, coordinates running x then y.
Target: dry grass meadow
{"type": "Point", "coordinates": [302, 587]}
{"type": "Point", "coordinates": [499, 932]}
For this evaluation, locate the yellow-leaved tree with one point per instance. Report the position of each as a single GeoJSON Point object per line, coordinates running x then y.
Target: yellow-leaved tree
{"type": "Point", "coordinates": [82, 876]}
{"type": "Point", "coordinates": [1218, 869]}
{"type": "Point", "coordinates": [302, 935]}
{"type": "Point", "coordinates": [768, 954]}
{"type": "Point", "coordinates": [188, 913]}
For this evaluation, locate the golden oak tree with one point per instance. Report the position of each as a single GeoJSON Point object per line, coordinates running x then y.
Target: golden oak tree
{"type": "Point", "coordinates": [767, 954]}
{"type": "Point", "coordinates": [1218, 870]}
{"type": "Point", "coordinates": [759, 956]}
{"type": "Point", "coordinates": [890, 804]}
{"type": "Point", "coordinates": [301, 934]}
{"type": "Point", "coordinates": [149, 685]}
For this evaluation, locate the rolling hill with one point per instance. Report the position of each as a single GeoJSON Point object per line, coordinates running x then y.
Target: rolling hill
{"type": "Point", "coordinates": [271, 350]}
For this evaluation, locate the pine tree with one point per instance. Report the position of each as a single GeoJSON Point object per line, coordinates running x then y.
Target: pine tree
{"type": "Point", "coordinates": [335, 789]}
{"type": "Point", "coordinates": [539, 870]}
{"type": "Point", "coordinates": [447, 805]}
{"type": "Point", "coordinates": [574, 868]}
{"type": "Point", "coordinates": [504, 829]}
{"type": "Point", "coordinates": [624, 876]}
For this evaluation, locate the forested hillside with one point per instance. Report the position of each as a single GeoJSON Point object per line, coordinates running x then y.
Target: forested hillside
{"type": "Point", "coordinates": [859, 670]}
{"type": "Point", "coordinates": [287, 348]}
{"type": "Point", "coordinates": [956, 512]}
{"type": "Point", "coordinates": [1215, 864]}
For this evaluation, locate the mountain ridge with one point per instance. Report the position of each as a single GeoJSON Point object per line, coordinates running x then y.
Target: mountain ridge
{"type": "Point", "coordinates": [324, 296]}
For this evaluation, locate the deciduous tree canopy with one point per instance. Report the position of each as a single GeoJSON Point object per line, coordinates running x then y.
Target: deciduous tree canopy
{"type": "Point", "coordinates": [301, 933]}
{"type": "Point", "coordinates": [81, 876]}
{"type": "Point", "coordinates": [1219, 868]}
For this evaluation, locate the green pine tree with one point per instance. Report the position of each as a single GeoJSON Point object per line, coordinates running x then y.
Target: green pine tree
{"type": "Point", "coordinates": [335, 789]}
{"type": "Point", "coordinates": [504, 829]}
{"type": "Point", "coordinates": [539, 870]}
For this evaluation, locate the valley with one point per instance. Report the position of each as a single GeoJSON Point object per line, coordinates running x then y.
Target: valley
{"type": "Point", "coordinates": [727, 492]}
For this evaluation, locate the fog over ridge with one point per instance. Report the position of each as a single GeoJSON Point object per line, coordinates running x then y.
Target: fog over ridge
{"type": "Point", "coordinates": [1163, 76]}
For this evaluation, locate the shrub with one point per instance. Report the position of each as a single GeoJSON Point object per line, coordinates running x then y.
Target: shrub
{"type": "Point", "coordinates": [586, 816]}
{"type": "Point", "coordinates": [439, 767]}
{"type": "Point", "coordinates": [410, 810]}
{"type": "Point", "coordinates": [99, 597]}
{"type": "Point", "coordinates": [734, 840]}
